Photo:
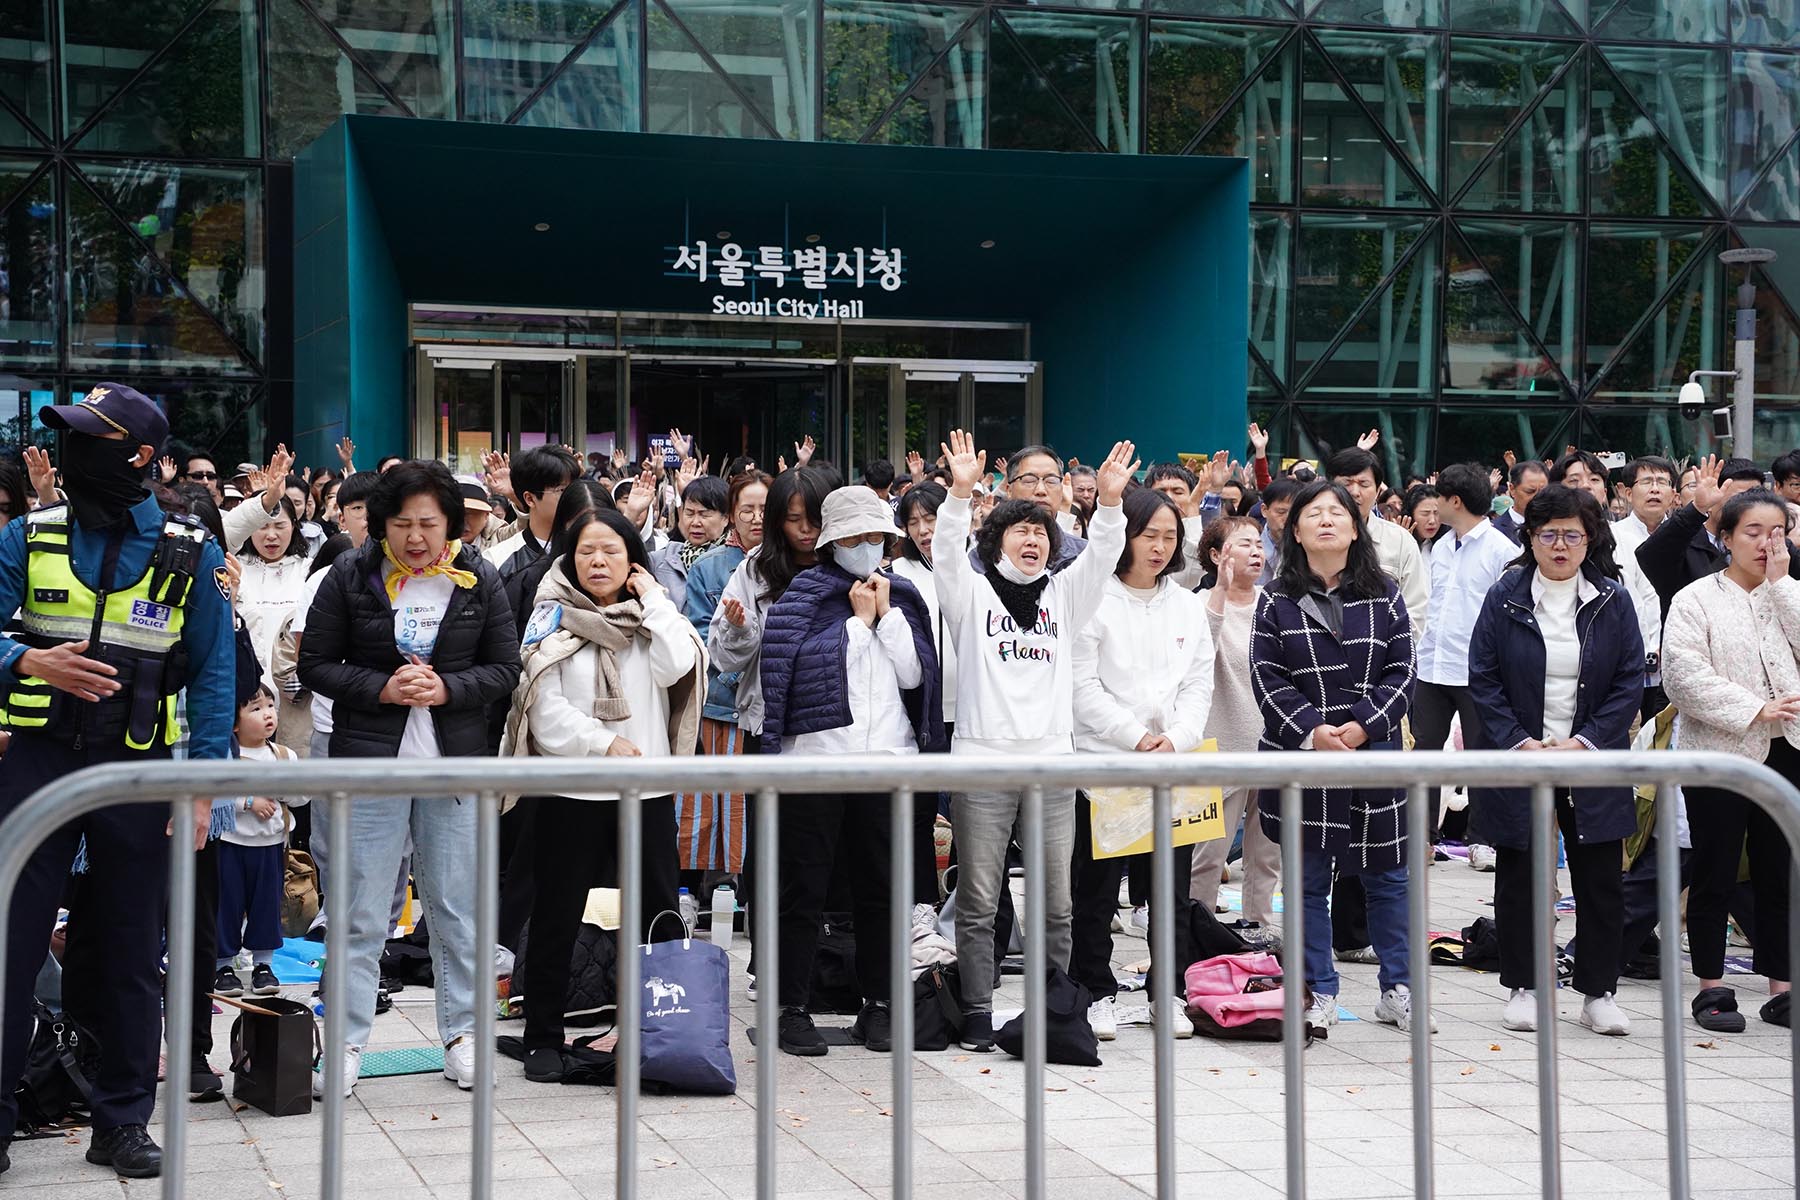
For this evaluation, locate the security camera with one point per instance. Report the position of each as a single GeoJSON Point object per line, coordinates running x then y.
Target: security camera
{"type": "Point", "coordinates": [1692, 400]}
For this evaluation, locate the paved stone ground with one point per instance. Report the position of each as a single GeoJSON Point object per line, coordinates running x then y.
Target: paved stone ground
{"type": "Point", "coordinates": [408, 1137]}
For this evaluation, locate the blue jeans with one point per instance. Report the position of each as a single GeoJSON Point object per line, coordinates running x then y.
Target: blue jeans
{"type": "Point", "coordinates": [1388, 927]}
{"type": "Point", "coordinates": [443, 862]}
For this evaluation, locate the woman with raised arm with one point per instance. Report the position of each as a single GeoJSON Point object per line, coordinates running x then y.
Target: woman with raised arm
{"type": "Point", "coordinates": [1015, 629]}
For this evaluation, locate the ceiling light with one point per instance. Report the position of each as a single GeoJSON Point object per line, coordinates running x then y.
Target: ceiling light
{"type": "Point", "coordinates": [542, 227]}
{"type": "Point", "coordinates": [812, 239]}
{"type": "Point", "coordinates": [988, 245]}
{"type": "Point", "coordinates": [723, 234]}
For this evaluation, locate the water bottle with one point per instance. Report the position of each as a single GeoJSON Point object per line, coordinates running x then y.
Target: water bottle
{"type": "Point", "coordinates": [690, 910]}
{"type": "Point", "coordinates": [724, 911]}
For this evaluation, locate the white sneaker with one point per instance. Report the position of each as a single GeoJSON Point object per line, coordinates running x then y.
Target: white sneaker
{"type": "Point", "coordinates": [1322, 1012]}
{"type": "Point", "coordinates": [1181, 1026]}
{"type": "Point", "coordinates": [1395, 1008]}
{"type": "Point", "coordinates": [1140, 920]}
{"type": "Point", "coordinates": [1103, 1019]}
{"type": "Point", "coordinates": [459, 1063]}
{"type": "Point", "coordinates": [352, 1068]}
{"type": "Point", "coordinates": [1482, 858]}
{"type": "Point", "coordinates": [1602, 1015]}
{"type": "Point", "coordinates": [1521, 1011]}
{"type": "Point", "coordinates": [751, 990]}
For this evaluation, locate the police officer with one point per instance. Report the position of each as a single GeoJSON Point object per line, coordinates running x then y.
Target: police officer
{"type": "Point", "coordinates": [120, 607]}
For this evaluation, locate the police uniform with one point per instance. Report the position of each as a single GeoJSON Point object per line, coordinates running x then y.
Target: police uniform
{"type": "Point", "coordinates": [147, 592]}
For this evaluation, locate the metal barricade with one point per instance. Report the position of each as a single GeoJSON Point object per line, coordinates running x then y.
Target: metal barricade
{"type": "Point", "coordinates": [338, 780]}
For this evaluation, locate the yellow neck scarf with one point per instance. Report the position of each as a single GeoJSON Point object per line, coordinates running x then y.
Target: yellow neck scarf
{"type": "Point", "coordinates": [398, 577]}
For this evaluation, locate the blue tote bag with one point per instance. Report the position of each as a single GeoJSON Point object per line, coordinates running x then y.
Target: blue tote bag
{"type": "Point", "coordinates": [687, 1016]}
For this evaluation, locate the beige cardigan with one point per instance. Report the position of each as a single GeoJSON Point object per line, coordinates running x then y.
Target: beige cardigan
{"type": "Point", "coordinates": [1718, 642]}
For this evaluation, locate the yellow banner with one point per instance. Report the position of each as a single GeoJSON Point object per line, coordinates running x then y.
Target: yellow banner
{"type": "Point", "coordinates": [1121, 816]}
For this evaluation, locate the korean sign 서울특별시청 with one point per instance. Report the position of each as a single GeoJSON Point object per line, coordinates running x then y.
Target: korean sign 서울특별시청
{"type": "Point", "coordinates": [808, 268]}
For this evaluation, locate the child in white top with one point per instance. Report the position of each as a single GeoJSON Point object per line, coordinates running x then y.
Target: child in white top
{"type": "Point", "coordinates": [253, 863]}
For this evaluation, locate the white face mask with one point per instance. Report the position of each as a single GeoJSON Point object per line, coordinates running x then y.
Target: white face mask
{"type": "Point", "coordinates": [861, 560]}
{"type": "Point", "coordinates": [1012, 574]}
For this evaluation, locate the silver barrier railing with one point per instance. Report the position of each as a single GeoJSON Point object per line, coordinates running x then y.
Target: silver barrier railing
{"type": "Point", "coordinates": [337, 780]}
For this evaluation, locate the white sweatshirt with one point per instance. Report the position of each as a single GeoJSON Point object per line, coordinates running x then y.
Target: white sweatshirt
{"type": "Point", "coordinates": [561, 717]}
{"type": "Point", "coordinates": [267, 595]}
{"type": "Point", "coordinates": [253, 830]}
{"type": "Point", "coordinates": [1143, 665]}
{"type": "Point", "coordinates": [921, 577]}
{"type": "Point", "coordinates": [1015, 687]}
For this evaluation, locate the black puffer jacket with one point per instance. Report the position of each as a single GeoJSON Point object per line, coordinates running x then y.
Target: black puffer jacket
{"type": "Point", "coordinates": [348, 654]}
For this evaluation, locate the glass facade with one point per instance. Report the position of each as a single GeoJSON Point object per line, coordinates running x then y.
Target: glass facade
{"type": "Point", "coordinates": [1476, 224]}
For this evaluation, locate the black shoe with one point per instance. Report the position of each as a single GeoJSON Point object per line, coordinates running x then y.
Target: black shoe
{"type": "Point", "coordinates": [978, 1032]}
{"type": "Point", "coordinates": [874, 1028]}
{"type": "Point", "coordinates": [798, 1035]}
{"type": "Point", "coordinates": [128, 1150]}
{"type": "Point", "coordinates": [1716, 1011]}
{"type": "Point", "coordinates": [5, 1157]}
{"type": "Point", "coordinates": [227, 983]}
{"type": "Point", "coordinates": [204, 1084]}
{"type": "Point", "coordinates": [1775, 1012]}
{"type": "Point", "coordinates": [545, 1065]}
{"type": "Point", "coordinates": [263, 981]}
{"type": "Point", "coordinates": [1644, 966]}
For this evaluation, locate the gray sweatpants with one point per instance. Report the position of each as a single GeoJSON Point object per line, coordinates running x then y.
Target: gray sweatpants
{"type": "Point", "coordinates": [984, 825]}
{"type": "Point", "coordinates": [1262, 860]}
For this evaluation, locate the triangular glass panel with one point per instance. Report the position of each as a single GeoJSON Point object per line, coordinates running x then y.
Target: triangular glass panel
{"type": "Point", "coordinates": [1682, 332]}
{"type": "Point", "coordinates": [1259, 127]}
{"type": "Point", "coordinates": [15, 173]}
{"type": "Point", "coordinates": [1394, 14]}
{"type": "Point", "coordinates": [25, 64]}
{"type": "Point", "coordinates": [28, 236]}
{"type": "Point", "coordinates": [193, 101]}
{"type": "Point", "coordinates": [1342, 261]}
{"type": "Point", "coordinates": [1260, 381]}
{"type": "Point", "coordinates": [1390, 347]}
{"type": "Point", "coordinates": [1511, 16]}
{"type": "Point", "coordinates": [1540, 166]}
{"type": "Point", "coordinates": [1349, 164]}
{"type": "Point", "coordinates": [312, 81]}
{"type": "Point", "coordinates": [130, 34]}
{"type": "Point", "coordinates": [1273, 10]}
{"type": "Point", "coordinates": [1271, 255]}
{"type": "Point", "coordinates": [1536, 265]}
{"type": "Point", "coordinates": [1400, 77]}
{"type": "Point", "coordinates": [600, 89]}
{"type": "Point", "coordinates": [509, 49]}
{"type": "Point", "coordinates": [686, 94]}
{"type": "Point", "coordinates": [1765, 114]}
{"type": "Point", "coordinates": [1090, 60]}
{"type": "Point", "coordinates": [1680, 89]}
{"type": "Point", "coordinates": [1487, 352]}
{"type": "Point", "coordinates": [1024, 111]}
{"type": "Point", "coordinates": [125, 309]}
{"type": "Point", "coordinates": [15, 134]}
{"type": "Point", "coordinates": [1631, 170]}
{"type": "Point", "coordinates": [767, 50]}
{"type": "Point", "coordinates": [1662, 21]}
{"type": "Point", "coordinates": [1481, 433]}
{"type": "Point", "coordinates": [946, 106]}
{"type": "Point", "coordinates": [875, 52]}
{"type": "Point", "coordinates": [407, 44]}
{"type": "Point", "coordinates": [1777, 197]}
{"type": "Point", "coordinates": [204, 225]}
{"type": "Point", "coordinates": [1194, 68]}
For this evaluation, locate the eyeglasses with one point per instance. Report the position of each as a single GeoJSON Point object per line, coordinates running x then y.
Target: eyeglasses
{"type": "Point", "coordinates": [1567, 537]}
{"type": "Point", "coordinates": [1032, 481]}
{"type": "Point", "coordinates": [203, 476]}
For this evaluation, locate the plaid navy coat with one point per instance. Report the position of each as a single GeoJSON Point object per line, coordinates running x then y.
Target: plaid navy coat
{"type": "Point", "coordinates": [1306, 676]}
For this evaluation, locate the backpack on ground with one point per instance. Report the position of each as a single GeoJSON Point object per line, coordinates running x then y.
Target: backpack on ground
{"type": "Point", "coordinates": [1068, 1038]}
{"type": "Point", "coordinates": [61, 1064]}
{"type": "Point", "coordinates": [1239, 997]}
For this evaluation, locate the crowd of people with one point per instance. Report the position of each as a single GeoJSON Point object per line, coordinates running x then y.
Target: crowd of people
{"type": "Point", "coordinates": [966, 604]}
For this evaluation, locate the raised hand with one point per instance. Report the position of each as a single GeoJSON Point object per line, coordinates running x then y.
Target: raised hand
{"type": "Point", "coordinates": [1510, 459]}
{"type": "Point", "coordinates": [281, 464]}
{"type": "Point", "coordinates": [965, 463]}
{"type": "Point", "coordinates": [643, 495]}
{"type": "Point", "coordinates": [497, 473]}
{"type": "Point", "coordinates": [165, 469]}
{"type": "Point", "coordinates": [1116, 472]}
{"type": "Point", "coordinates": [915, 465]}
{"type": "Point", "coordinates": [41, 473]}
{"type": "Point", "coordinates": [618, 458]}
{"type": "Point", "coordinates": [686, 474]}
{"type": "Point", "coordinates": [781, 464]}
{"type": "Point", "coordinates": [346, 452]}
{"type": "Point", "coordinates": [803, 451]}
{"type": "Point", "coordinates": [1218, 471]}
{"type": "Point", "coordinates": [1369, 440]}
{"type": "Point", "coordinates": [682, 444]}
{"type": "Point", "coordinates": [1707, 492]}
{"type": "Point", "coordinates": [1259, 441]}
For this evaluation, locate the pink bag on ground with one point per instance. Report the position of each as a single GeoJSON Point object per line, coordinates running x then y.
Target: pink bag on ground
{"type": "Point", "coordinates": [1237, 996]}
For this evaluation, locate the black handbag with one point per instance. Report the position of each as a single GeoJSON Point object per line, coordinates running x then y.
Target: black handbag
{"type": "Point", "coordinates": [937, 1009]}
{"type": "Point", "coordinates": [274, 1045]}
{"type": "Point", "coordinates": [60, 1065]}
{"type": "Point", "coordinates": [1068, 1038]}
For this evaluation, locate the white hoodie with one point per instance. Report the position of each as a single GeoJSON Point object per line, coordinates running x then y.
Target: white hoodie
{"type": "Point", "coordinates": [1143, 665]}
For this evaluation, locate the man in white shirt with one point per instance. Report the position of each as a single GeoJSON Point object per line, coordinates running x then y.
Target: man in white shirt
{"type": "Point", "coordinates": [1359, 471]}
{"type": "Point", "coordinates": [1650, 487]}
{"type": "Point", "coordinates": [1463, 566]}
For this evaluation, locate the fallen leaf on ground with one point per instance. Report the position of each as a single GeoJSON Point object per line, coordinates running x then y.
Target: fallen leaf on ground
{"type": "Point", "coordinates": [1494, 1046]}
{"type": "Point", "coordinates": [434, 1116]}
{"type": "Point", "coordinates": [960, 1058]}
{"type": "Point", "coordinates": [1056, 1089]}
{"type": "Point", "coordinates": [1352, 1090]}
{"type": "Point", "coordinates": [664, 1162]}
{"type": "Point", "coordinates": [858, 1111]}
{"type": "Point", "coordinates": [1468, 1071]}
{"type": "Point", "coordinates": [987, 1070]}
{"type": "Point", "coordinates": [1707, 1045]}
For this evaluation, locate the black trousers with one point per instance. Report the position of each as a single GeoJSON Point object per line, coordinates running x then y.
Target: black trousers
{"type": "Point", "coordinates": [1349, 913]}
{"type": "Point", "coordinates": [121, 931]}
{"type": "Point", "coordinates": [1640, 902]}
{"type": "Point", "coordinates": [1094, 896]}
{"type": "Point", "coordinates": [577, 848]}
{"type": "Point", "coordinates": [817, 832]}
{"type": "Point", "coordinates": [1720, 822]}
{"type": "Point", "coordinates": [1434, 705]}
{"type": "Point", "coordinates": [1596, 870]}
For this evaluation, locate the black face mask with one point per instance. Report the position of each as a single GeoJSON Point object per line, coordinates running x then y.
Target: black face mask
{"type": "Point", "coordinates": [100, 479]}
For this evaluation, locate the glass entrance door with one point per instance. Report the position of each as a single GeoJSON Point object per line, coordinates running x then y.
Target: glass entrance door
{"type": "Point", "coordinates": [470, 405]}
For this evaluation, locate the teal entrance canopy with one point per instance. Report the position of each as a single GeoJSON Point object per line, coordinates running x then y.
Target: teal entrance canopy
{"type": "Point", "coordinates": [1132, 272]}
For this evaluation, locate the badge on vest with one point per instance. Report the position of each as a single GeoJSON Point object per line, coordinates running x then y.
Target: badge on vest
{"type": "Point", "coordinates": [222, 578]}
{"type": "Point", "coordinates": [50, 595]}
{"type": "Point", "coordinates": [546, 619]}
{"type": "Point", "coordinates": [146, 614]}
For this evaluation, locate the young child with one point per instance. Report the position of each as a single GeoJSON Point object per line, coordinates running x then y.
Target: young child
{"type": "Point", "coordinates": [253, 863]}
